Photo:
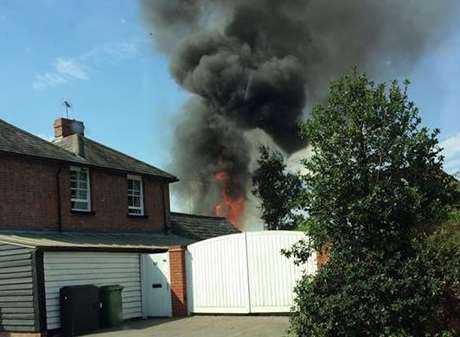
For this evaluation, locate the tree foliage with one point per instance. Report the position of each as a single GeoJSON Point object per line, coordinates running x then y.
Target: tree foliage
{"type": "Point", "coordinates": [278, 190]}
{"type": "Point", "coordinates": [374, 183]}
{"type": "Point", "coordinates": [440, 252]}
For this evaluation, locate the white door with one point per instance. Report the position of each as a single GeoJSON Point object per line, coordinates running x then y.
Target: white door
{"type": "Point", "coordinates": [156, 285]}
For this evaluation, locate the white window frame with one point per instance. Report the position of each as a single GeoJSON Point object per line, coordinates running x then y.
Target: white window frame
{"type": "Point", "coordinates": [88, 190]}
{"type": "Point", "coordinates": [141, 196]}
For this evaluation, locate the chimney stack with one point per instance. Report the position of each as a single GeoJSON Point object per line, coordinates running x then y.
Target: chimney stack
{"type": "Point", "coordinates": [64, 127]}
{"type": "Point", "coordinates": [69, 133]}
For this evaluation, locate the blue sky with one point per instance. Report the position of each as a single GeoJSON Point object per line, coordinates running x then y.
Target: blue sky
{"type": "Point", "coordinates": [99, 55]}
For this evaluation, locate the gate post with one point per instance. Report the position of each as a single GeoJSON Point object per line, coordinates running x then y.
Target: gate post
{"type": "Point", "coordinates": [178, 281]}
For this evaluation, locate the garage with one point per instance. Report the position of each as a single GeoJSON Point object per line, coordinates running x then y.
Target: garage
{"type": "Point", "coordinates": [161, 275]}
{"type": "Point", "coordinates": [35, 266]}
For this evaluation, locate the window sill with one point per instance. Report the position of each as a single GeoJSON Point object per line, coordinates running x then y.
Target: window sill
{"type": "Point", "coordinates": [143, 216]}
{"type": "Point", "coordinates": [73, 211]}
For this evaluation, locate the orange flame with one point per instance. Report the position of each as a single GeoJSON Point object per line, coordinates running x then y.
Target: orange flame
{"type": "Point", "coordinates": [230, 207]}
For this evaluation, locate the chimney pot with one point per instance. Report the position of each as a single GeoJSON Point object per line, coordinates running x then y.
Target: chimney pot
{"type": "Point", "coordinates": [64, 127]}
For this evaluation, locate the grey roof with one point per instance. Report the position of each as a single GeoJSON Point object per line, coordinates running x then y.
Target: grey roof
{"type": "Point", "coordinates": [18, 141]}
{"type": "Point", "coordinates": [102, 156]}
{"type": "Point", "coordinates": [15, 140]}
{"type": "Point", "coordinates": [50, 240]}
{"type": "Point", "coordinates": [200, 227]}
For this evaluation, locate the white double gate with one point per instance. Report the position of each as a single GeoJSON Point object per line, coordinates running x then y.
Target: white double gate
{"type": "Point", "coordinates": [243, 273]}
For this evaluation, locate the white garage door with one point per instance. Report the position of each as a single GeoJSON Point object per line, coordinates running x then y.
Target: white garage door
{"type": "Point", "coordinates": [243, 273]}
{"type": "Point", "coordinates": [77, 268]}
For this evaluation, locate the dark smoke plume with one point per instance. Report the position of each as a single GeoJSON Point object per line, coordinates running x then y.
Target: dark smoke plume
{"type": "Point", "coordinates": [252, 64]}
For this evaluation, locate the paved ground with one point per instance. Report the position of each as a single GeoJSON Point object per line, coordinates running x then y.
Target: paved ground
{"type": "Point", "coordinates": [203, 326]}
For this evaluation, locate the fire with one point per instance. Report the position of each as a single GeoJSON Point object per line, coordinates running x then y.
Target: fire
{"type": "Point", "coordinates": [230, 207]}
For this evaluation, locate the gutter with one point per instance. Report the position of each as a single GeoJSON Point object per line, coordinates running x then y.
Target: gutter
{"type": "Point", "coordinates": [144, 250]}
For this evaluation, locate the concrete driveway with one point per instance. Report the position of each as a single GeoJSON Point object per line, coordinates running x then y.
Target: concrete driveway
{"type": "Point", "coordinates": [204, 326]}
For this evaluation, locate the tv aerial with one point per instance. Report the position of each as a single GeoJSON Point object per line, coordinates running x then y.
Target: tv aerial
{"type": "Point", "coordinates": [68, 106]}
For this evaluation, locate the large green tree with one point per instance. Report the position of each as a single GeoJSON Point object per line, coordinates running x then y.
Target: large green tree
{"type": "Point", "coordinates": [374, 185]}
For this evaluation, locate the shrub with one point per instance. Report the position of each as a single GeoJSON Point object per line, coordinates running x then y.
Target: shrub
{"type": "Point", "coordinates": [374, 182]}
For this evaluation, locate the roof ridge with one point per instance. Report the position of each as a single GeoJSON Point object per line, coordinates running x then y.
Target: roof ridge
{"type": "Point", "coordinates": [38, 138]}
{"type": "Point", "coordinates": [131, 157]}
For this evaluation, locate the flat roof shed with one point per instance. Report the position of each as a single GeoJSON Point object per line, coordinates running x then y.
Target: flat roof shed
{"type": "Point", "coordinates": [34, 265]}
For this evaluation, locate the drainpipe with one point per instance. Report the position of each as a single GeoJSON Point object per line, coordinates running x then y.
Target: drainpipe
{"type": "Point", "coordinates": [165, 217]}
{"type": "Point", "coordinates": [58, 195]}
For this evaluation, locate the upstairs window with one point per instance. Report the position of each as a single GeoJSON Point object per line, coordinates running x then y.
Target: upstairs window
{"type": "Point", "coordinates": [80, 189]}
{"type": "Point", "coordinates": [135, 195]}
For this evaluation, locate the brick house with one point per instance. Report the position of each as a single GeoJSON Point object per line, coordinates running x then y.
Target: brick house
{"type": "Point", "coordinates": [73, 204]}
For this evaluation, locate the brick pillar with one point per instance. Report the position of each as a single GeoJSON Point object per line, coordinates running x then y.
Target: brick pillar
{"type": "Point", "coordinates": [178, 281]}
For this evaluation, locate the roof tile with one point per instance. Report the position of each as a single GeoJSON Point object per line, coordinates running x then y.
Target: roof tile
{"type": "Point", "coordinates": [99, 241]}
{"type": "Point", "coordinates": [18, 141]}
{"type": "Point", "coordinates": [102, 156]}
{"type": "Point", "coordinates": [200, 227]}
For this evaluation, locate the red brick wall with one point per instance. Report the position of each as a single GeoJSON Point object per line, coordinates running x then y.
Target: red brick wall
{"type": "Point", "coordinates": [28, 199]}
{"type": "Point", "coordinates": [27, 194]}
{"type": "Point", "coordinates": [178, 281]}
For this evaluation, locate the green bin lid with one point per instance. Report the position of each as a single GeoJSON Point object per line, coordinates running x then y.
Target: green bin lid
{"type": "Point", "coordinates": [115, 287]}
